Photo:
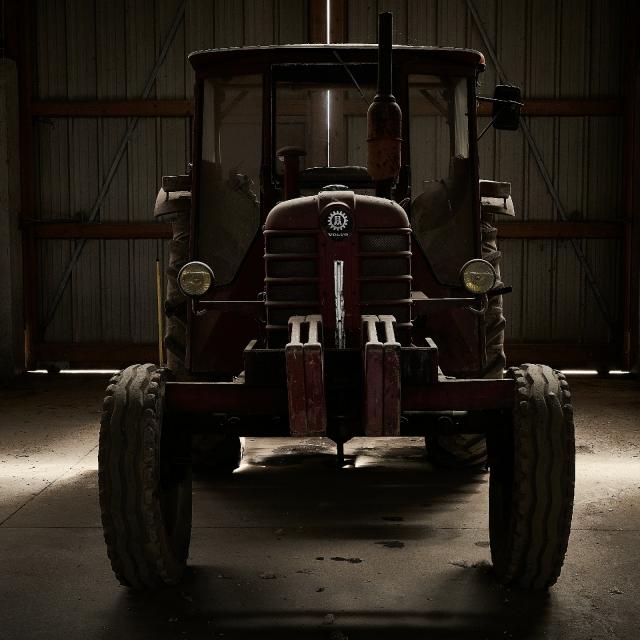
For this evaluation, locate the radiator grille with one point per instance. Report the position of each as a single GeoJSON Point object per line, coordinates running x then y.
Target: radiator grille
{"type": "Point", "coordinates": [385, 280]}
{"type": "Point", "coordinates": [384, 242]}
{"type": "Point", "coordinates": [292, 292]}
{"type": "Point", "coordinates": [399, 290]}
{"type": "Point", "coordinates": [385, 266]}
{"type": "Point", "coordinates": [293, 285]}
{"type": "Point", "coordinates": [291, 244]}
{"type": "Point", "coordinates": [292, 268]}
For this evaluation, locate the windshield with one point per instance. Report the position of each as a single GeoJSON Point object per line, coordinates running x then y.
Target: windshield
{"type": "Point", "coordinates": [229, 175]}
{"type": "Point", "coordinates": [441, 173]}
{"type": "Point", "coordinates": [327, 121]}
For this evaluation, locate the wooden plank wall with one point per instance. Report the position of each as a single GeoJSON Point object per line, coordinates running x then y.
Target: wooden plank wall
{"type": "Point", "coordinates": [105, 50]}
{"type": "Point", "coordinates": [568, 49]}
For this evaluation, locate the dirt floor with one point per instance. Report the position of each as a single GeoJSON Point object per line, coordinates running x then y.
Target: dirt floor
{"type": "Point", "coordinates": [292, 547]}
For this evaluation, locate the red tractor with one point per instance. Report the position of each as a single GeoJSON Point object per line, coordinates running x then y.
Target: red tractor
{"type": "Point", "coordinates": [309, 295]}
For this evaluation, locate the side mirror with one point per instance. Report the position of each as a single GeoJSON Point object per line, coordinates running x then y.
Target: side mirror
{"type": "Point", "coordinates": [507, 103]}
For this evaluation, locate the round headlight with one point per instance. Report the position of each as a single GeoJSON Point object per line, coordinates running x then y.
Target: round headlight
{"type": "Point", "coordinates": [195, 279]}
{"type": "Point", "coordinates": [478, 276]}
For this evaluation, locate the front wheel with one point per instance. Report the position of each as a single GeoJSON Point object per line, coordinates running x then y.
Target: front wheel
{"type": "Point", "coordinates": [532, 480]}
{"type": "Point", "coordinates": [144, 482]}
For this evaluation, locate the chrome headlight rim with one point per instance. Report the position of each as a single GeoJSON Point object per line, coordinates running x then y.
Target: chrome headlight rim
{"type": "Point", "coordinates": [491, 272]}
{"type": "Point", "coordinates": [201, 266]}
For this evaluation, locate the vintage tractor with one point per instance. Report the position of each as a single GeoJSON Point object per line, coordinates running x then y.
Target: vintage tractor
{"type": "Point", "coordinates": [310, 296]}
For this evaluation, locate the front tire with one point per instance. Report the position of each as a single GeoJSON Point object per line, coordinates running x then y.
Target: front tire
{"type": "Point", "coordinates": [532, 481]}
{"type": "Point", "coordinates": [145, 493]}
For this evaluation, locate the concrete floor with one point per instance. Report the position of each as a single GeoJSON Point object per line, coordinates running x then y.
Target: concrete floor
{"type": "Point", "coordinates": [291, 547]}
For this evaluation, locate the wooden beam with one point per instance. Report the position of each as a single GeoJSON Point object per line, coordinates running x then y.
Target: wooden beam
{"type": "Point", "coordinates": [566, 355]}
{"type": "Point", "coordinates": [631, 199]}
{"type": "Point", "coordinates": [102, 230]}
{"type": "Point", "coordinates": [184, 108]}
{"type": "Point", "coordinates": [112, 108]}
{"type": "Point", "coordinates": [317, 29]}
{"type": "Point", "coordinates": [95, 354]}
{"type": "Point", "coordinates": [569, 107]}
{"type": "Point", "coordinates": [560, 230]}
{"type": "Point", "coordinates": [25, 26]}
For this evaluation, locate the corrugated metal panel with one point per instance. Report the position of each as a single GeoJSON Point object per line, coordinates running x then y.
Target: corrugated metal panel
{"type": "Point", "coordinates": [106, 49]}
{"type": "Point", "coordinates": [83, 168]}
{"type": "Point", "coordinates": [568, 49]}
{"type": "Point", "coordinates": [115, 285]}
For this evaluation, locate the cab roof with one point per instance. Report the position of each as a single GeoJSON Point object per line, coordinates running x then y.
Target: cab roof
{"type": "Point", "coordinates": [256, 59]}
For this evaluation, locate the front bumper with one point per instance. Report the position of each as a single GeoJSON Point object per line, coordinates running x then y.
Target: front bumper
{"type": "Point", "coordinates": [382, 389]}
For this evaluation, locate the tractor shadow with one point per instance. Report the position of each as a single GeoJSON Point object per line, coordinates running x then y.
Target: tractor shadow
{"type": "Point", "coordinates": [382, 490]}
{"type": "Point", "coordinates": [290, 546]}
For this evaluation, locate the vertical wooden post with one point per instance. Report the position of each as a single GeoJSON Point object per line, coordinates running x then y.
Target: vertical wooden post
{"type": "Point", "coordinates": [631, 164]}
{"type": "Point", "coordinates": [317, 25]}
{"type": "Point", "coordinates": [338, 21]}
{"type": "Point", "coordinates": [24, 13]}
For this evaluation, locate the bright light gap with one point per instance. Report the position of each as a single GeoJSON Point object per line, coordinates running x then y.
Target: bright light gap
{"type": "Point", "coordinates": [328, 38]}
{"type": "Point", "coordinates": [79, 371]}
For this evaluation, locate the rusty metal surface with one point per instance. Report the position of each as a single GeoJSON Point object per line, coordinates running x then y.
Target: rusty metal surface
{"type": "Point", "coordinates": [459, 395]}
{"type": "Point", "coordinates": [225, 397]}
{"type": "Point", "coordinates": [314, 378]}
{"type": "Point", "coordinates": [391, 349]}
{"type": "Point", "coordinates": [384, 138]}
{"type": "Point", "coordinates": [373, 377]}
{"type": "Point", "coordinates": [296, 389]}
{"type": "Point", "coordinates": [305, 377]}
{"type": "Point", "coordinates": [382, 376]}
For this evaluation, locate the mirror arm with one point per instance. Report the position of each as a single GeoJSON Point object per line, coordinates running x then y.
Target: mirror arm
{"type": "Point", "coordinates": [505, 102]}
{"type": "Point", "coordinates": [492, 120]}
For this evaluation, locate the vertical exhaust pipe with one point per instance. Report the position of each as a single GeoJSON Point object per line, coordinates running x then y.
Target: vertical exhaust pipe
{"type": "Point", "coordinates": [384, 117]}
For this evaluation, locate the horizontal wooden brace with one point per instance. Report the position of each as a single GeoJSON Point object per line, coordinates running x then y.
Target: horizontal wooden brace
{"type": "Point", "coordinates": [102, 230]}
{"type": "Point", "coordinates": [566, 230]}
{"type": "Point", "coordinates": [568, 107]}
{"type": "Point", "coordinates": [564, 355]}
{"type": "Point", "coordinates": [95, 354]}
{"type": "Point", "coordinates": [112, 108]}
{"type": "Point", "coordinates": [184, 108]}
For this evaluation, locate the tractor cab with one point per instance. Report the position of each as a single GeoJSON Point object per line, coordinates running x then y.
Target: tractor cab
{"type": "Point", "coordinates": [278, 123]}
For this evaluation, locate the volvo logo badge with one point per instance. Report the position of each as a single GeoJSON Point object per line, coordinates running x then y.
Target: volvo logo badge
{"type": "Point", "coordinates": [337, 223]}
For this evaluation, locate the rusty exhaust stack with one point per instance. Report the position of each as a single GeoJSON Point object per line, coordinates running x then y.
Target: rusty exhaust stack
{"type": "Point", "coordinates": [384, 117]}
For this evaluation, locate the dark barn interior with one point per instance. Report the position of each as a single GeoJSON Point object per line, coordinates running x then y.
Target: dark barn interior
{"type": "Point", "coordinates": [371, 538]}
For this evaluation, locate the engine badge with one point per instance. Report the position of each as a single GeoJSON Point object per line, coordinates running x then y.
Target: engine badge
{"type": "Point", "coordinates": [337, 223]}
